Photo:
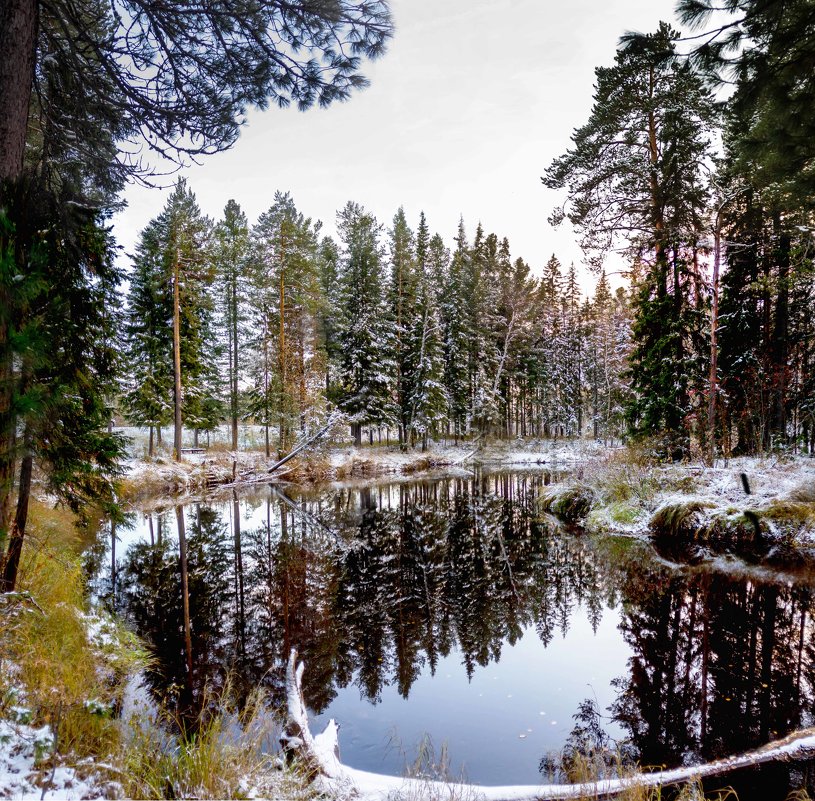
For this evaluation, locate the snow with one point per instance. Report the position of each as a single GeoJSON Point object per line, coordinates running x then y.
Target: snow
{"type": "Point", "coordinates": [21, 747]}
{"type": "Point", "coordinates": [199, 472]}
{"type": "Point", "coordinates": [717, 489]}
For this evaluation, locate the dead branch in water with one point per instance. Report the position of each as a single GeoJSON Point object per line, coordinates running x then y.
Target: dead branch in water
{"type": "Point", "coordinates": [320, 755]}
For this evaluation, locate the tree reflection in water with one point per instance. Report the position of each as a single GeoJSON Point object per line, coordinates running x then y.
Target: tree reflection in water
{"type": "Point", "coordinates": [375, 585]}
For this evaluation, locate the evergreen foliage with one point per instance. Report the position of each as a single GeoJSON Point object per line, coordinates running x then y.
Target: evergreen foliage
{"type": "Point", "coordinates": [367, 365]}
{"type": "Point", "coordinates": [636, 176]}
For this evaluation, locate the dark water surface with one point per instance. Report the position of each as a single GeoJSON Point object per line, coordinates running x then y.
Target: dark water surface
{"type": "Point", "coordinates": [451, 609]}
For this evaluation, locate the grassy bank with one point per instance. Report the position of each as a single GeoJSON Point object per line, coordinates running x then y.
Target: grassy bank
{"type": "Point", "coordinates": [64, 670]}
{"type": "Point", "coordinates": [759, 509]}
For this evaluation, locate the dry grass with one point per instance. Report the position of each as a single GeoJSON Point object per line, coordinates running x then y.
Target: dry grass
{"type": "Point", "coordinates": [65, 681]}
{"type": "Point", "coordinates": [571, 504]}
{"type": "Point", "coordinates": [224, 756]}
{"type": "Point", "coordinates": [793, 516]}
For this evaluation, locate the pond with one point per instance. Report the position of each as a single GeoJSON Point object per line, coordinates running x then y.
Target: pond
{"type": "Point", "coordinates": [450, 611]}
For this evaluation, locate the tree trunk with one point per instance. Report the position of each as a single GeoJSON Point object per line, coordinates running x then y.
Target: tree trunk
{"type": "Point", "coordinates": [19, 21]}
{"type": "Point", "coordinates": [8, 418]}
{"type": "Point", "coordinates": [282, 349]}
{"type": "Point", "coordinates": [15, 547]}
{"type": "Point", "coordinates": [113, 563]}
{"type": "Point", "coordinates": [177, 359]}
{"type": "Point", "coordinates": [239, 583]}
{"type": "Point", "coordinates": [779, 343]}
{"type": "Point", "coordinates": [234, 360]}
{"type": "Point", "coordinates": [714, 347]}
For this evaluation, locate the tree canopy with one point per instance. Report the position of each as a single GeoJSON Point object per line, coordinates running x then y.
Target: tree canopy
{"type": "Point", "coordinates": [177, 75]}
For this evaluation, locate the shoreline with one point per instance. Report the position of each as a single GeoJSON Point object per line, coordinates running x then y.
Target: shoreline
{"type": "Point", "coordinates": [214, 471]}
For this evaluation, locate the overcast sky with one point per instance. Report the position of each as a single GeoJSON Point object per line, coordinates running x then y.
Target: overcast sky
{"type": "Point", "coordinates": [471, 102]}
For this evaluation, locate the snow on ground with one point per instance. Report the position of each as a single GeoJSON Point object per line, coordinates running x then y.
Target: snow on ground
{"type": "Point", "coordinates": [21, 748]}
{"type": "Point", "coordinates": [718, 489]}
{"type": "Point", "coordinates": [342, 460]}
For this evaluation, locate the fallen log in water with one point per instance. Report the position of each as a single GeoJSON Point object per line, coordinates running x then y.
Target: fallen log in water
{"type": "Point", "coordinates": [320, 754]}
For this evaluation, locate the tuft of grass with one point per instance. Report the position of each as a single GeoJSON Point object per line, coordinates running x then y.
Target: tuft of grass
{"type": "Point", "coordinates": [624, 513]}
{"type": "Point", "coordinates": [792, 516]}
{"type": "Point", "coordinates": [224, 755]}
{"type": "Point", "coordinates": [571, 504]}
{"type": "Point", "coordinates": [804, 493]}
{"type": "Point", "coordinates": [430, 774]}
{"type": "Point", "coordinates": [678, 520]}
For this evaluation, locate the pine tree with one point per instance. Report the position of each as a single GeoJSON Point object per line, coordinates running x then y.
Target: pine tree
{"type": "Point", "coordinates": [479, 282]}
{"type": "Point", "coordinates": [67, 360]}
{"type": "Point", "coordinates": [636, 172]}
{"type": "Point", "coordinates": [548, 349]}
{"type": "Point", "coordinates": [450, 282]}
{"type": "Point", "coordinates": [173, 247]}
{"type": "Point", "coordinates": [516, 309]}
{"type": "Point", "coordinates": [286, 300]}
{"type": "Point", "coordinates": [147, 394]}
{"type": "Point", "coordinates": [402, 300]}
{"type": "Point", "coordinates": [328, 268]}
{"type": "Point", "coordinates": [426, 398]}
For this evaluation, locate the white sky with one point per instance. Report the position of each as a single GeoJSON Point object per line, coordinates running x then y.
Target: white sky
{"type": "Point", "coordinates": [472, 101]}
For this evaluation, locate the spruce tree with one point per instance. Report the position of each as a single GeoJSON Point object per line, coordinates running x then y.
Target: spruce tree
{"type": "Point", "coordinates": [367, 365]}
{"type": "Point", "coordinates": [230, 255]}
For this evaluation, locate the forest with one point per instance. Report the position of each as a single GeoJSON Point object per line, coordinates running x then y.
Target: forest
{"type": "Point", "coordinates": [706, 350]}
{"type": "Point", "coordinates": [276, 323]}
{"type": "Point", "coordinates": [688, 186]}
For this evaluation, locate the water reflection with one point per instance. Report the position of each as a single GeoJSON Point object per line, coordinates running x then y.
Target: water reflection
{"type": "Point", "coordinates": [721, 664]}
{"type": "Point", "coordinates": [378, 586]}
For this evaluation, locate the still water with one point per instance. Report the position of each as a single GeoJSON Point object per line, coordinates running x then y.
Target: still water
{"type": "Point", "coordinates": [451, 609]}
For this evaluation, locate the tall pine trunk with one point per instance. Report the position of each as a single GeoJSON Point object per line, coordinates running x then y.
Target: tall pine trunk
{"type": "Point", "coordinates": [15, 548]}
{"type": "Point", "coordinates": [19, 21]}
{"type": "Point", "coordinates": [177, 358]}
{"type": "Point", "coordinates": [234, 360]}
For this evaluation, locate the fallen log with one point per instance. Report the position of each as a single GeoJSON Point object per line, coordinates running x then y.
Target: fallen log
{"type": "Point", "coordinates": [320, 754]}
{"type": "Point", "coordinates": [307, 442]}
